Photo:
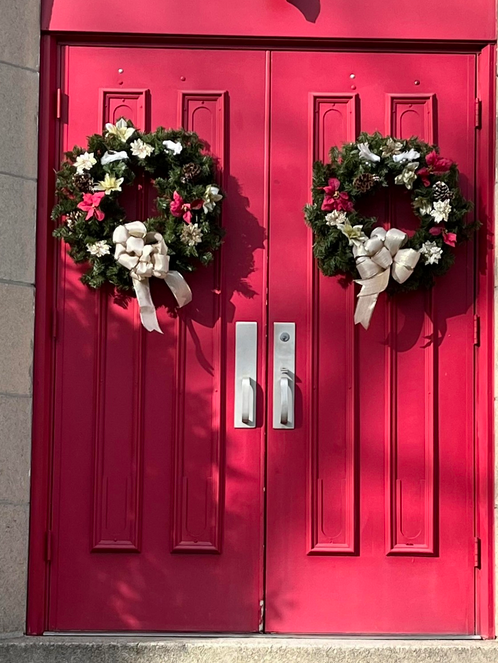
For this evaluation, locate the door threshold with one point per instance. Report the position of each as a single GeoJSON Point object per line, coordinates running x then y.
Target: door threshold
{"type": "Point", "coordinates": [297, 636]}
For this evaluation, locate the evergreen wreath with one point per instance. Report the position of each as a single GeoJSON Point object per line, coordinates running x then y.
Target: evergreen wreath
{"type": "Point", "coordinates": [342, 237]}
{"type": "Point", "coordinates": [90, 182]}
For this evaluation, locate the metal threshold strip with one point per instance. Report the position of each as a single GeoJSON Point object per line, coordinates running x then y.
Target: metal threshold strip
{"type": "Point", "coordinates": [259, 636]}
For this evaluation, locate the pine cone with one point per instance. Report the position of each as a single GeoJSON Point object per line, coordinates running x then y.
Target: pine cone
{"type": "Point", "coordinates": [190, 172]}
{"type": "Point", "coordinates": [83, 182]}
{"type": "Point", "coordinates": [365, 182]}
{"type": "Point", "coordinates": [441, 191]}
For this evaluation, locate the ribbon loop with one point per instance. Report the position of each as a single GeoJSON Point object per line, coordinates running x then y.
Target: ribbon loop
{"type": "Point", "coordinates": [378, 258]}
{"type": "Point", "coordinates": [145, 254]}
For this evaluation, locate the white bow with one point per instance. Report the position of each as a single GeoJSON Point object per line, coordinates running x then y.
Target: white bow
{"type": "Point", "coordinates": [145, 254]}
{"type": "Point", "coordinates": [377, 259]}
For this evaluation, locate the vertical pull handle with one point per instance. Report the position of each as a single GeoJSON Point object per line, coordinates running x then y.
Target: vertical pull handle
{"type": "Point", "coordinates": [246, 348]}
{"type": "Point", "coordinates": [246, 400]}
{"type": "Point", "coordinates": [284, 400]}
{"type": "Point", "coordinates": [284, 380]}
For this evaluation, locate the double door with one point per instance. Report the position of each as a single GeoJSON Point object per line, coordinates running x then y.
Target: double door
{"type": "Point", "coordinates": [358, 518]}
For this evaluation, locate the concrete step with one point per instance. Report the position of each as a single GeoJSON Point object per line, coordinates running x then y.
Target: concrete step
{"type": "Point", "coordinates": [256, 649]}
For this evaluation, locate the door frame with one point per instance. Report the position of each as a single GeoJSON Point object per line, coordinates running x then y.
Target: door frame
{"type": "Point", "coordinates": [51, 107]}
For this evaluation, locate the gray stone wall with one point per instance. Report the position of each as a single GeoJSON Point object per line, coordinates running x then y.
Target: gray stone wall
{"type": "Point", "coordinates": [19, 80]}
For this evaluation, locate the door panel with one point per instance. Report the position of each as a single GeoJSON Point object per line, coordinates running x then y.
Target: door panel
{"type": "Point", "coordinates": [369, 499]}
{"type": "Point", "coordinates": [157, 498]}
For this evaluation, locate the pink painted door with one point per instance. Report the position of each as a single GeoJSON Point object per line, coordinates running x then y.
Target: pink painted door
{"type": "Point", "coordinates": [157, 500]}
{"type": "Point", "coordinates": [370, 498]}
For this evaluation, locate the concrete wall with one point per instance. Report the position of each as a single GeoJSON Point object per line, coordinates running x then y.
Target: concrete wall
{"type": "Point", "coordinates": [19, 66]}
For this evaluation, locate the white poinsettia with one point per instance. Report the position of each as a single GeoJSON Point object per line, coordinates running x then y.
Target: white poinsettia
{"type": "Point", "coordinates": [99, 249]}
{"type": "Point", "coordinates": [408, 176]}
{"type": "Point", "coordinates": [404, 157]}
{"type": "Point", "coordinates": [84, 162]}
{"type": "Point", "coordinates": [120, 129]}
{"type": "Point", "coordinates": [109, 184]}
{"type": "Point", "coordinates": [355, 234]}
{"type": "Point", "coordinates": [432, 253]}
{"type": "Point", "coordinates": [140, 149]}
{"type": "Point", "coordinates": [336, 218]}
{"type": "Point", "coordinates": [111, 156]}
{"type": "Point", "coordinates": [191, 234]}
{"type": "Point", "coordinates": [366, 154]}
{"type": "Point", "coordinates": [440, 210]}
{"type": "Point", "coordinates": [173, 146]}
{"type": "Point", "coordinates": [392, 147]}
{"type": "Point", "coordinates": [211, 197]}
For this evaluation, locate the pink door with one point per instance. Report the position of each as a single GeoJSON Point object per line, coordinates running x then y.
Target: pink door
{"type": "Point", "coordinates": [157, 500]}
{"type": "Point", "coordinates": [370, 498]}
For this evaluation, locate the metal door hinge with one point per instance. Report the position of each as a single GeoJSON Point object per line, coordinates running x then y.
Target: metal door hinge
{"type": "Point", "coordinates": [478, 113]}
{"type": "Point", "coordinates": [48, 545]}
{"type": "Point", "coordinates": [477, 552]}
{"type": "Point", "coordinates": [261, 626]}
{"type": "Point", "coordinates": [477, 330]}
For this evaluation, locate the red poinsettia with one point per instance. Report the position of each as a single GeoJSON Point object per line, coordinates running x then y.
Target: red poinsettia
{"type": "Point", "coordinates": [448, 238]}
{"type": "Point", "coordinates": [436, 165]}
{"type": "Point", "coordinates": [179, 207]}
{"type": "Point", "coordinates": [335, 199]}
{"type": "Point", "coordinates": [90, 205]}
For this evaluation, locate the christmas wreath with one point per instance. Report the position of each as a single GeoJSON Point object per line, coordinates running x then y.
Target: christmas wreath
{"type": "Point", "coordinates": [183, 233]}
{"type": "Point", "coordinates": [347, 243]}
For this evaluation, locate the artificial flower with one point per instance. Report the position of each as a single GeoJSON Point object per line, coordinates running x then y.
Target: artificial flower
{"type": "Point", "coordinates": [366, 154]}
{"type": "Point", "coordinates": [422, 205]}
{"type": "Point", "coordinates": [90, 205]}
{"type": "Point", "coordinates": [432, 253]}
{"type": "Point", "coordinates": [404, 157]}
{"type": "Point", "coordinates": [172, 146]}
{"type": "Point", "coordinates": [99, 249]}
{"type": "Point", "coordinates": [211, 197]}
{"type": "Point", "coordinates": [335, 218]}
{"type": "Point", "coordinates": [191, 235]}
{"type": "Point", "coordinates": [408, 176]}
{"type": "Point", "coordinates": [140, 149]}
{"type": "Point", "coordinates": [121, 130]}
{"type": "Point", "coordinates": [436, 165]}
{"type": "Point", "coordinates": [111, 156]}
{"type": "Point", "coordinates": [441, 210]}
{"type": "Point", "coordinates": [448, 238]}
{"type": "Point", "coordinates": [179, 208]}
{"type": "Point", "coordinates": [391, 147]}
{"type": "Point", "coordinates": [109, 184]}
{"type": "Point", "coordinates": [335, 199]}
{"type": "Point", "coordinates": [355, 234]}
{"type": "Point", "coordinates": [84, 162]}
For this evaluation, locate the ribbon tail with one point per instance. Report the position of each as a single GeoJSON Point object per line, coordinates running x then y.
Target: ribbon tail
{"type": "Point", "coordinates": [148, 314]}
{"type": "Point", "coordinates": [367, 297]}
{"type": "Point", "coordinates": [179, 287]}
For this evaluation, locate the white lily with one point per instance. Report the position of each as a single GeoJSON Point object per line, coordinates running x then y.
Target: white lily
{"type": "Point", "coordinates": [120, 129]}
{"type": "Point", "coordinates": [355, 234]}
{"type": "Point", "coordinates": [432, 253]}
{"type": "Point", "coordinates": [366, 154]}
{"type": "Point", "coordinates": [173, 146]}
{"type": "Point", "coordinates": [109, 184]}
{"type": "Point", "coordinates": [441, 211]}
{"type": "Point", "coordinates": [408, 176]}
{"type": "Point", "coordinates": [84, 162]}
{"type": "Point", "coordinates": [392, 147]}
{"type": "Point", "coordinates": [411, 155]}
{"type": "Point", "coordinates": [140, 149]}
{"type": "Point", "coordinates": [211, 197]}
{"type": "Point", "coordinates": [111, 156]}
{"type": "Point", "coordinates": [336, 218]}
{"type": "Point", "coordinates": [422, 205]}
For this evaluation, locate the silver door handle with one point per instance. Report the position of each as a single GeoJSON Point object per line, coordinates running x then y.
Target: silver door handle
{"type": "Point", "coordinates": [246, 400]}
{"type": "Point", "coordinates": [246, 349]}
{"type": "Point", "coordinates": [284, 377]}
{"type": "Point", "coordinates": [284, 400]}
